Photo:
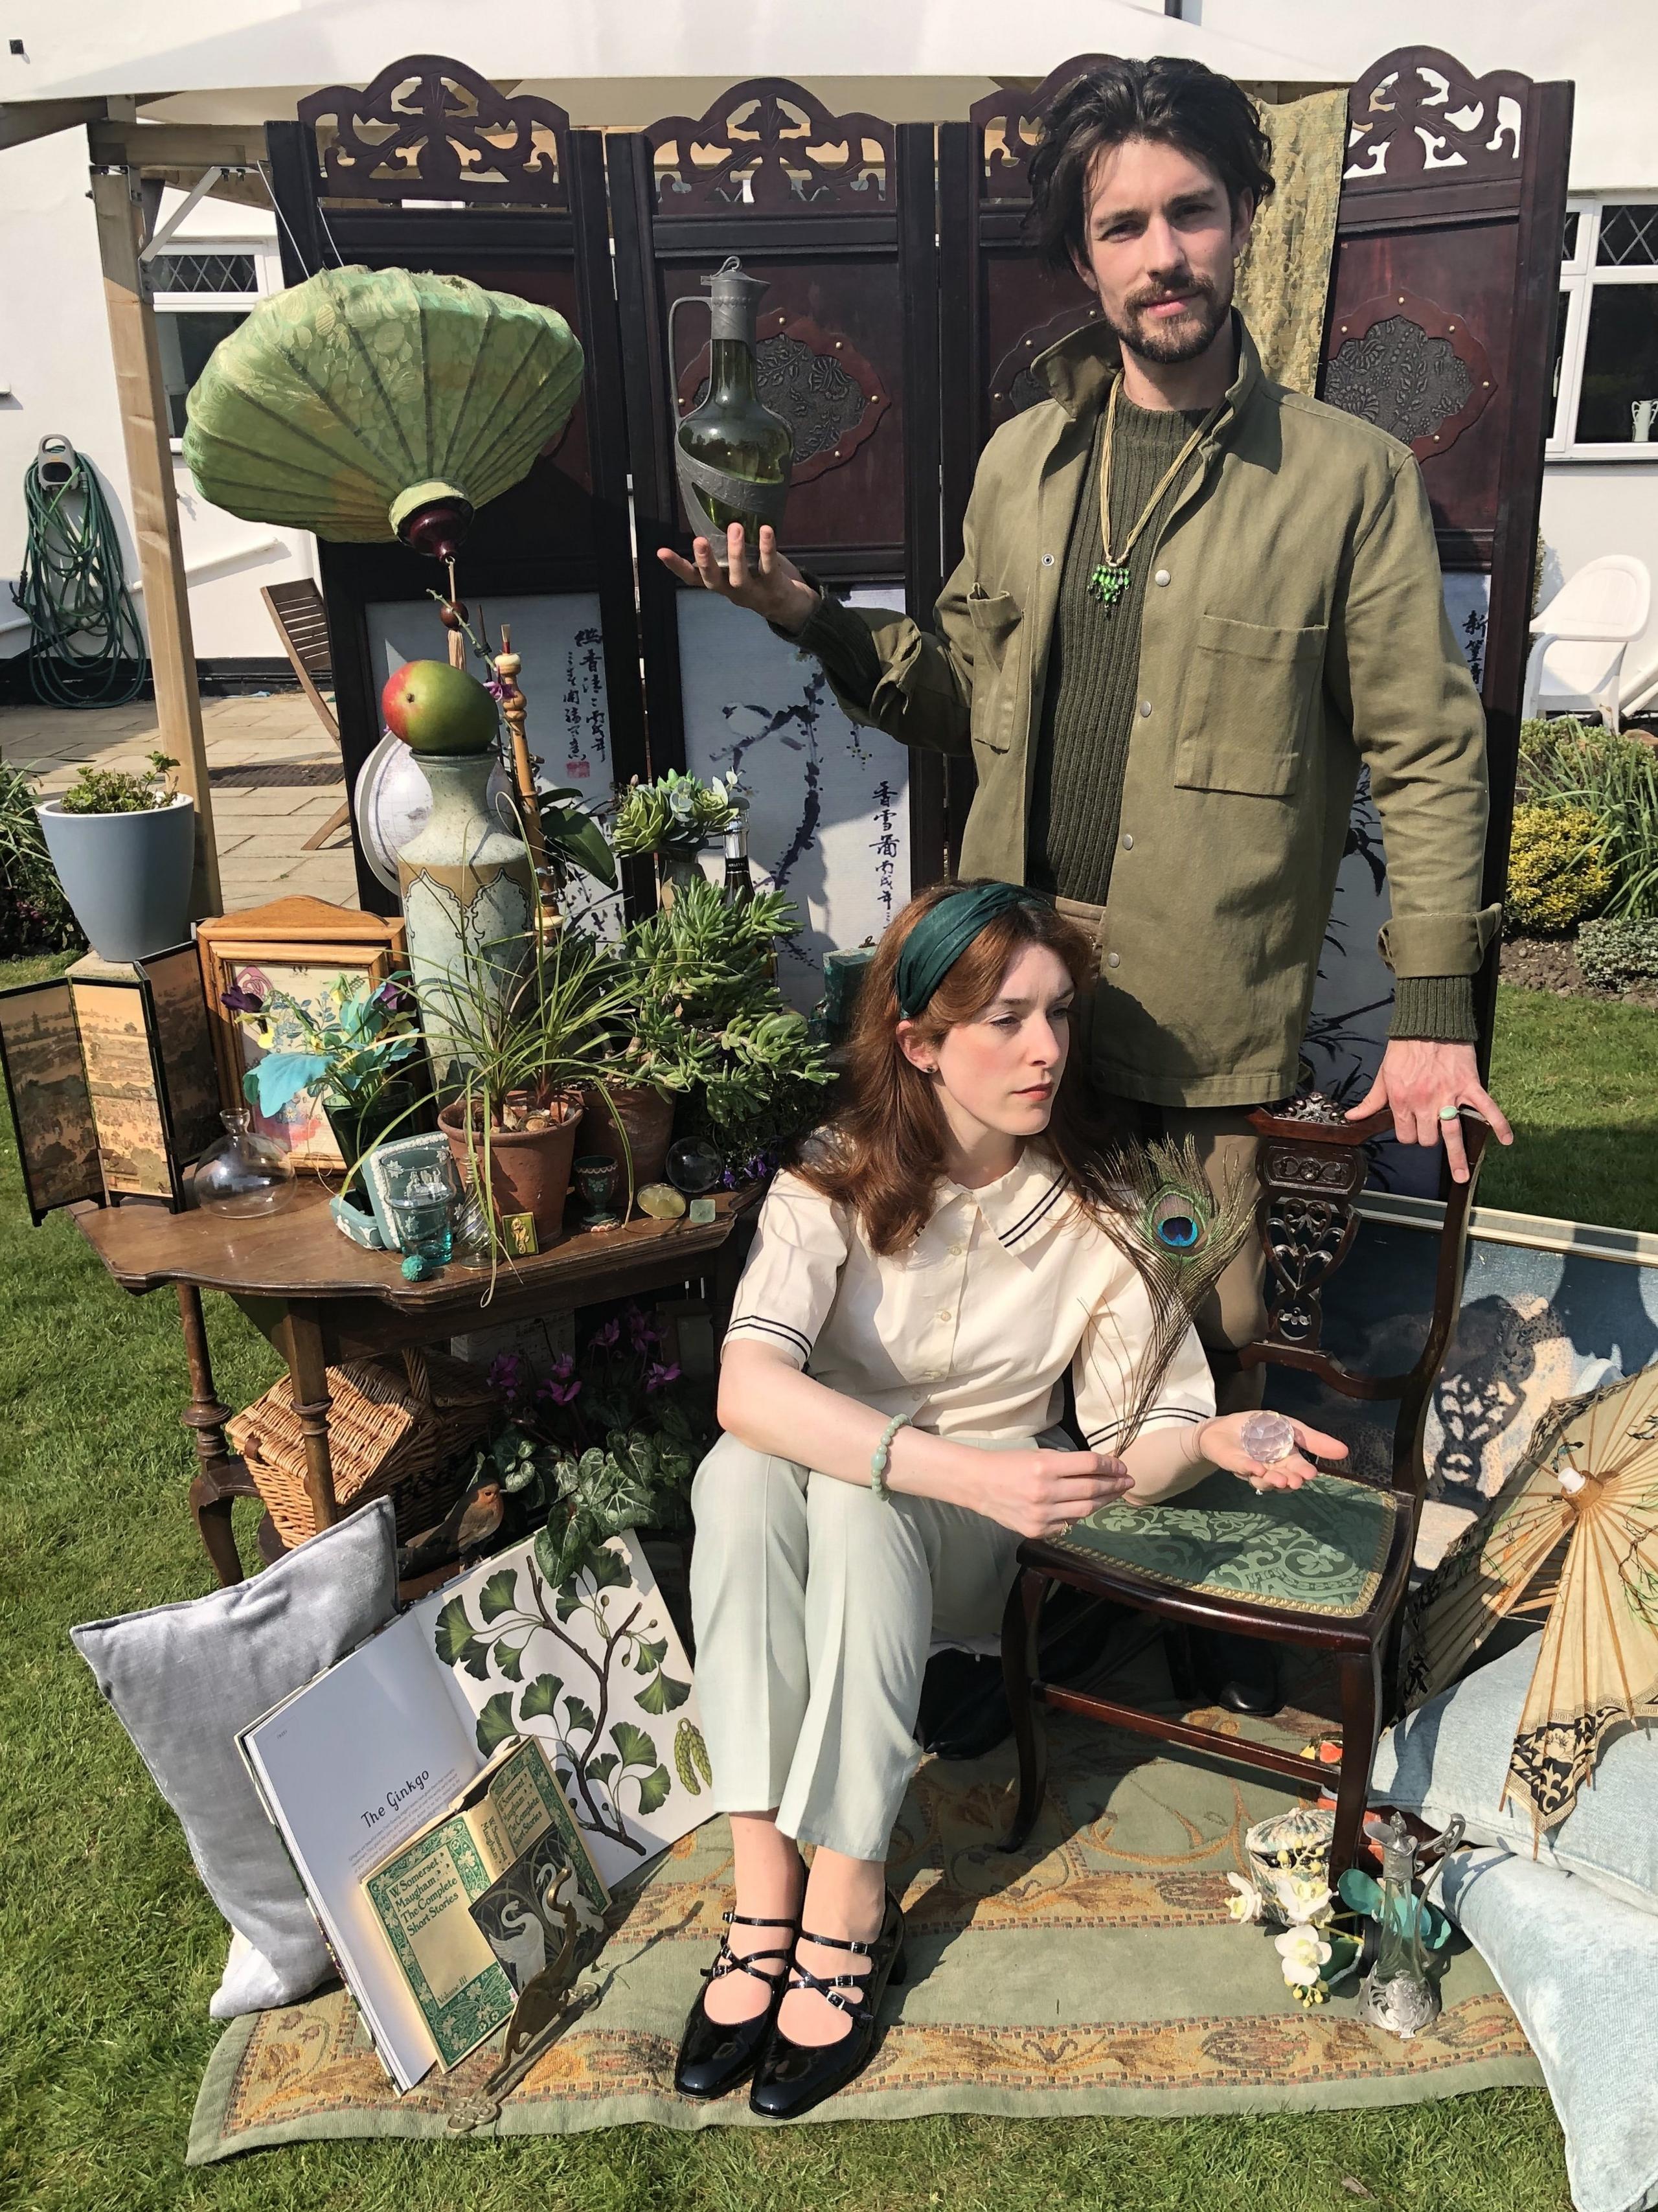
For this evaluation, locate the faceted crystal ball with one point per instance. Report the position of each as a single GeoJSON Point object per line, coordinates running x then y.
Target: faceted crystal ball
{"type": "Point", "coordinates": [1268, 1438]}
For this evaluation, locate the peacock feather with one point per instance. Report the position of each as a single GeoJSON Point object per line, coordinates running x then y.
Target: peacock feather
{"type": "Point", "coordinates": [1179, 1232]}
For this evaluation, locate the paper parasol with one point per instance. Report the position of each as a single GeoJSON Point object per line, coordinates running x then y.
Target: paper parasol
{"type": "Point", "coordinates": [365, 400]}
{"type": "Point", "coordinates": [1583, 1500]}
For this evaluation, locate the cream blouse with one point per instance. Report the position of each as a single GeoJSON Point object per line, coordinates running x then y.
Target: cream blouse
{"type": "Point", "coordinates": [971, 1330]}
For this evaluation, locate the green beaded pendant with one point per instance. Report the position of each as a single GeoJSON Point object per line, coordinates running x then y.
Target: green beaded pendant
{"type": "Point", "coordinates": [1108, 583]}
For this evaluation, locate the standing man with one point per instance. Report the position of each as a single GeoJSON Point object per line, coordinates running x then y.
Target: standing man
{"type": "Point", "coordinates": [1191, 602]}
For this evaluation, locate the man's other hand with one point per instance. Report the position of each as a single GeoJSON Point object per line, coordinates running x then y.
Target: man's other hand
{"type": "Point", "coordinates": [1417, 1080]}
{"type": "Point", "coordinates": [776, 589]}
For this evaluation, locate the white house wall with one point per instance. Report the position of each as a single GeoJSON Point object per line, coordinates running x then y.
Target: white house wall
{"type": "Point", "coordinates": [55, 358]}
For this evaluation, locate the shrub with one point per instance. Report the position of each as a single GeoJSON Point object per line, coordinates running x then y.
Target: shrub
{"type": "Point", "coordinates": [1558, 872]}
{"type": "Point", "coordinates": [1616, 953]}
{"type": "Point", "coordinates": [1568, 763]}
{"type": "Point", "coordinates": [35, 915]}
{"type": "Point", "coordinates": [113, 791]}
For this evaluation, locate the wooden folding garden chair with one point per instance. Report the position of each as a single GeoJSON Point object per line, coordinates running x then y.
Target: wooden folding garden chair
{"type": "Point", "coordinates": [301, 624]}
{"type": "Point", "coordinates": [1324, 1567]}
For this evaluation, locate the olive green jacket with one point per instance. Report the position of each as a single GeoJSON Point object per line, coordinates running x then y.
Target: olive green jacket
{"type": "Point", "coordinates": [1294, 626]}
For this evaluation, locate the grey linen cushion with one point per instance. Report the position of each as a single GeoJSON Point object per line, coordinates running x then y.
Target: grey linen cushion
{"type": "Point", "coordinates": [1582, 1974]}
{"type": "Point", "coordinates": [185, 1678]}
{"type": "Point", "coordinates": [1451, 1755]}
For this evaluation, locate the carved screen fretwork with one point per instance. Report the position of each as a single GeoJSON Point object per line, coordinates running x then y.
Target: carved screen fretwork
{"type": "Point", "coordinates": [1011, 123]}
{"type": "Point", "coordinates": [1428, 115]}
{"type": "Point", "coordinates": [431, 129]}
{"type": "Point", "coordinates": [769, 143]}
{"type": "Point", "coordinates": [829, 396]}
{"type": "Point", "coordinates": [1415, 371]}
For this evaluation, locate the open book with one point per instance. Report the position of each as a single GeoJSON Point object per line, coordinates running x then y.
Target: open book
{"type": "Point", "coordinates": [485, 1896]}
{"type": "Point", "coordinates": [353, 1765]}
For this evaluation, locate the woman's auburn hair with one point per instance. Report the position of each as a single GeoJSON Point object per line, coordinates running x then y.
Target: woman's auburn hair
{"type": "Point", "coordinates": [883, 1154]}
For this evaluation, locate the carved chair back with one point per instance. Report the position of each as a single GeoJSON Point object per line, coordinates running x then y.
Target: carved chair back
{"type": "Point", "coordinates": [1312, 1168]}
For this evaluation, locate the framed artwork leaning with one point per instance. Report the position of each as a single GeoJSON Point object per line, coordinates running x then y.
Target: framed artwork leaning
{"type": "Point", "coordinates": [310, 950]}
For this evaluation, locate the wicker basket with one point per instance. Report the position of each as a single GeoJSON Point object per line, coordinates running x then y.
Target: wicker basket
{"type": "Point", "coordinates": [402, 1427]}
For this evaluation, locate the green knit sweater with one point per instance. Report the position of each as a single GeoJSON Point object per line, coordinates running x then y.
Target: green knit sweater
{"type": "Point", "coordinates": [1089, 690]}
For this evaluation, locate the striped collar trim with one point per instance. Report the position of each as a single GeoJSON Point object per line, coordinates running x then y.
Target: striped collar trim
{"type": "Point", "coordinates": [1018, 1205]}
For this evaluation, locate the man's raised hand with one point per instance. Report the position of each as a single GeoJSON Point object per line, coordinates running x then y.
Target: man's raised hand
{"type": "Point", "coordinates": [775, 590]}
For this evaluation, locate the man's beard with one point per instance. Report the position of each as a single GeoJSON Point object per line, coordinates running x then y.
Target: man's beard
{"type": "Point", "coordinates": [1170, 347]}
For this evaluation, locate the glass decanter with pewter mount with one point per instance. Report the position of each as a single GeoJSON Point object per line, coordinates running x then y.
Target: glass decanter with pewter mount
{"type": "Point", "coordinates": [731, 453]}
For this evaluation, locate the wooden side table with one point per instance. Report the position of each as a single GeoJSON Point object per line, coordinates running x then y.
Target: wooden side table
{"type": "Point", "coordinates": [320, 1299]}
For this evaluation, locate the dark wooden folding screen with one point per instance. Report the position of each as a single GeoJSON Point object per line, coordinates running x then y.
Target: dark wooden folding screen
{"type": "Point", "coordinates": [904, 310]}
{"type": "Point", "coordinates": [430, 167]}
{"type": "Point", "coordinates": [837, 213]}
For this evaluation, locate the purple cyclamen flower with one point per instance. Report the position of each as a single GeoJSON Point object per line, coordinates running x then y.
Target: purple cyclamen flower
{"type": "Point", "coordinates": [508, 1375]}
{"type": "Point", "coordinates": [561, 1393]}
{"type": "Point", "coordinates": [658, 1376]}
{"type": "Point", "coordinates": [389, 995]}
{"type": "Point", "coordinates": [606, 1339]}
{"type": "Point", "coordinates": [236, 1001]}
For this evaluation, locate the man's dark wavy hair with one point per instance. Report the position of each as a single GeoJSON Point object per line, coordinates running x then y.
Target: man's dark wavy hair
{"type": "Point", "coordinates": [1178, 103]}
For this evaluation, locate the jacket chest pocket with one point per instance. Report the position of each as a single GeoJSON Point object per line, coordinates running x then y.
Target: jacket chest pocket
{"type": "Point", "coordinates": [1249, 691]}
{"type": "Point", "coordinates": [996, 620]}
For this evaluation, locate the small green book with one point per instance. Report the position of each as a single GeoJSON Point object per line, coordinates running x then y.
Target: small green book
{"type": "Point", "coordinates": [493, 1890]}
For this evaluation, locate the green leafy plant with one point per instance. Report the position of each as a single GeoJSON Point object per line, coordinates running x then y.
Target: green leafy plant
{"type": "Point", "coordinates": [114, 791]}
{"type": "Point", "coordinates": [674, 816]}
{"type": "Point", "coordinates": [529, 1623]}
{"type": "Point", "coordinates": [35, 915]}
{"type": "Point", "coordinates": [705, 1016]}
{"type": "Point", "coordinates": [1614, 954]}
{"type": "Point", "coordinates": [1558, 869]}
{"type": "Point", "coordinates": [1567, 763]}
{"type": "Point", "coordinates": [573, 840]}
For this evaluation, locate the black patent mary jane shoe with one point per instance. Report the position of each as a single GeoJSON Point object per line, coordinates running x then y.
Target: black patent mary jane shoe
{"type": "Point", "coordinates": [716, 2055]}
{"type": "Point", "coordinates": [793, 2078]}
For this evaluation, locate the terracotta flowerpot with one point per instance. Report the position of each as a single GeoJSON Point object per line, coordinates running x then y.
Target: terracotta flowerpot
{"type": "Point", "coordinates": [529, 1169]}
{"type": "Point", "coordinates": [645, 1114]}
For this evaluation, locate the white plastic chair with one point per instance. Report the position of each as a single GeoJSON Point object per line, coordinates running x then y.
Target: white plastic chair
{"type": "Point", "coordinates": [1582, 635]}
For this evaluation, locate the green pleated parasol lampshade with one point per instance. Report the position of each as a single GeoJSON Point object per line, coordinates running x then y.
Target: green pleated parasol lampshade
{"type": "Point", "coordinates": [380, 403]}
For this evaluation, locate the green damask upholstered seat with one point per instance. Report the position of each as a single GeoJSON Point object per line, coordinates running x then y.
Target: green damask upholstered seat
{"type": "Point", "coordinates": [1319, 1549]}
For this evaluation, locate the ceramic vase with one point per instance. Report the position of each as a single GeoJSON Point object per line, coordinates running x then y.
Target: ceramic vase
{"type": "Point", "coordinates": [468, 899]}
{"type": "Point", "coordinates": [646, 1114]}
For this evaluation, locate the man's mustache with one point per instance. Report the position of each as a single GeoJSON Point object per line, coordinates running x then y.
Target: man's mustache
{"type": "Point", "coordinates": [1199, 289]}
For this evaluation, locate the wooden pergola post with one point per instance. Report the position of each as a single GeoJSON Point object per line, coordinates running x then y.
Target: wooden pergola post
{"type": "Point", "coordinates": [146, 434]}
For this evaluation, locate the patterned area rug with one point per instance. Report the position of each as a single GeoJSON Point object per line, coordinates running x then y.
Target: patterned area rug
{"type": "Point", "coordinates": [1094, 1972]}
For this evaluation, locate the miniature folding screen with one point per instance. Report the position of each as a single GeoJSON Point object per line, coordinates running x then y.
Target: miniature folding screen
{"type": "Point", "coordinates": [835, 213]}
{"type": "Point", "coordinates": [430, 167]}
{"type": "Point", "coordinates": [1439, 326]}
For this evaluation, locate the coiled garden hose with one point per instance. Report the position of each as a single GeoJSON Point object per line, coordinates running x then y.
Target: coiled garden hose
{"type": "Point", "coordinates": [73, 588]}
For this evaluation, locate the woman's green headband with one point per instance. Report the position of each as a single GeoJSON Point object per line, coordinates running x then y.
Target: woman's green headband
{"type": "Point", "coordinates": [944, 933]}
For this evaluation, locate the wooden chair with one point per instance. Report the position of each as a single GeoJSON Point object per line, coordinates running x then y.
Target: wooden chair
{"type": "Point", "coordinates": [1222, 1558]}
{"type": "Point", "coordinates": [302, 625]}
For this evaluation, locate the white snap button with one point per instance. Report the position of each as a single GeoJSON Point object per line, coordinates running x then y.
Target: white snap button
{"type": "Point", "coordinates": [1114, 959]}
{"type": "Point", "coordinates": [1162, 576]}
{"type": "Point", "coordinates": [1128, 841]}
{"type": "Point", "coordinates": [1048, 559]}
{"type": "Point", "coordinates": [1145, 707]}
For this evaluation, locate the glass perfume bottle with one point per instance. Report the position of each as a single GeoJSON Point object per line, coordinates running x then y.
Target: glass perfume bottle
{"type": "Point", "coordinates": [244, 1173]}
{"type": "Point", "coordinates": [732, 455]}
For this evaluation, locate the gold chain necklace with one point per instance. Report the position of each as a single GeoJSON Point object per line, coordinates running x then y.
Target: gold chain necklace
{"type": "Point", "coordinates": [1109, 579]}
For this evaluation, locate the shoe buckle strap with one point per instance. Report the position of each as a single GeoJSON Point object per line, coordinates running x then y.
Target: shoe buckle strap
{"type": "Point", "coordinates": [749, 1920]}
{"type": "Point", "coordinates": [841, 1943]}
{"type": "Point", "coordinates": [829, 1987]}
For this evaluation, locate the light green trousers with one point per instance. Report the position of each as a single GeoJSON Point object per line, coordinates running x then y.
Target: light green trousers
{"type": "Point", "coordinates": [816, 1604]}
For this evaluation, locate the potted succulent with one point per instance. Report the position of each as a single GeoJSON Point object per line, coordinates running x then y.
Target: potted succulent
{"type": "Point", "coordinates": [672, 819]}
{"type": "Point", "coordinates": [707, 1025]}
{"type": "Point", "coordinates": [354, 1052]}
{"type": "Point", "coordinates": [520, 1061]}
{"type": "Point", "coordinates": [124, 849]}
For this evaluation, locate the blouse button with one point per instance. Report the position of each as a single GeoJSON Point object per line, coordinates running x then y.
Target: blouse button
{"type": "Point", "coordinates": [945, 1314]}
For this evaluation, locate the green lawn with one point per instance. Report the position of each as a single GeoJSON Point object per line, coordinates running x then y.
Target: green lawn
{"type": "Point", "coordinates": [109, 1950]}
{"type": "Point", "coordinates": [1578, 1079]}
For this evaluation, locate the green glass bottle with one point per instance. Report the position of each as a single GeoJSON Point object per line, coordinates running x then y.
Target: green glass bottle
{"type": "Point", "coordinates": [732, 455]}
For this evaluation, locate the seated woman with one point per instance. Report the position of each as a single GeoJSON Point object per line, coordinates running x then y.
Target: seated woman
{"type": "Point", "coordinates": [918, 1288]}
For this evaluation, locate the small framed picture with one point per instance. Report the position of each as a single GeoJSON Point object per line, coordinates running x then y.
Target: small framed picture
{"type": "Point", "coordinates": [312, 952]}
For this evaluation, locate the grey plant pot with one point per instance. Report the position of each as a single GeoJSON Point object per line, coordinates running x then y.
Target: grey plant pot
{"type": "Point", "coordinates": [126, 876]}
